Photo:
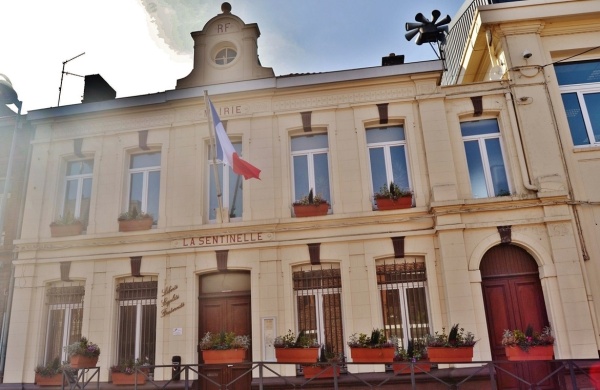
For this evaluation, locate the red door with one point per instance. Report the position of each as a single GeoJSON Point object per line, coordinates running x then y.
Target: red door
{"type": "Point", "coordinates": [229, 312]}
{"type": "Point", "coordinates": [513, 299]}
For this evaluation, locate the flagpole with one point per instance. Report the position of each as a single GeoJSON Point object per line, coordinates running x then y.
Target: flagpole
{"type": "Point", "coordinates": [213, 136]}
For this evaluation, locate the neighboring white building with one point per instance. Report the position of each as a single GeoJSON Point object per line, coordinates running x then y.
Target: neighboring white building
{"type": "Point", "coordinates": [501, 211]}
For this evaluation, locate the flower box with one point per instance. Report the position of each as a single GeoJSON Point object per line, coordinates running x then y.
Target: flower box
{"type": "Point", "coordinates": [403, 202]}
{"type": "Point", "coordinates": [297, 355]}
{"type": "Point", "coordinates": [222, 356]}
{"type": "Point", "coordinates": [131, 225]}
{"type": "Point", "coordinates": [73, 229]}
{"type": "Point", "coordinates": [310, 210]}
{"type": "Point", "coordinates": [121, 378]}
{"type": "Point", "coordinates": [80, 361]}
{"type": "Point", "coordinates": [320, 372]}
{"type": "Point", "coordinates": [54, 380]}
{"type": "Point", "coordinates": [450, 355]}
{"type": "Point", "coordinates": [539, 352]}
{"type": "Point", "coordinates": [404, 367]}
{"type": "Point", "coordinates": [372, 355]}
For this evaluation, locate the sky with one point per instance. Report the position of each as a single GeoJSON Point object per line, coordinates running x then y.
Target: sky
{"type": "Point", "coordinates": [143, 46]}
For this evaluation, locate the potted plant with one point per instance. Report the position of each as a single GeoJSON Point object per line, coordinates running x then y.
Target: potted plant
{"type": "Point", "coordinates": [51, 374]}
{"type": "Point", "coordinates": [310, 205]}
{"type": "Point", "coordinates": [292, 349]}
{"type": "Point", "coordinates": [83, 354]}
{"type": "Point", "coordinates": [456, 346]}
{"type": "Point", "coordinates": [327, 366]}
{"type": "Point", "coordinates": [528, 345]}
{"type": "Point", "coordinates": [66, 225]}
{"type": "Point", "coordinates": [373, 349]}
{"type": "Point", "coordinates": [134, 220]}
{"type": "Point", "coordinates": [224, 347]}
{"type": "Point", "coordinates": [130, 372]}
{"type": "Point", "coordinates": [415, 354]}
{"type": "Point", "coordinates": [393, 197]}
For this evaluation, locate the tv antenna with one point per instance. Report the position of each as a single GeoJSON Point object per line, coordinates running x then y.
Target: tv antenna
{"type": "Point", "coordinates": [63, 73]}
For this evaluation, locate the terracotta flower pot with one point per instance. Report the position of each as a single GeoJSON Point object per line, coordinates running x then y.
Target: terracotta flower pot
{"type": "Point", "coordinates": [404, 202]}
{"type": "Point", "coordinates": [372, 355]}
{"type": "Point", "coordinates": [450, 355]}
{"type": "Point", "coordinates": [310, 210]}
{"type": "Point", "coordinates": [73, 229]}
{"type": "Point", "coordinates": [297, 355]}
{"type": "Point", "coordinates": [131, 225]}
{"type": "Point", "coordinates": [540, 352]}
{"type": "Point", "coordinates": [220, 356]}
{"type": "Point", "coordinates": [80, 361]}
{"type": "Point", "coordinates": [54, 380]}
{"type": "Point", "coordinates": [320, 372]}
{"type": "Point", "coordinates": [121, 378]}
{"type": "Point", "coordinates": [404, 367]}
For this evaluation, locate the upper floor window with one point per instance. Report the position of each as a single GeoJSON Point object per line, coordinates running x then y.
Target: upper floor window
{"type": "Point", "coordinates": [580, 89]}
{"type": "Point", "coordinates": [78, 190]}
{"type": "Point", "coordinates": [310, 166]}
{"type": "Point", "coordinates": [388, 158]}
{"type": "Point", "coordinates": [485, 158]}
{"type": "Point", "coordinates": [225, 56]}
{"type": "Point", "coordinates": [144, 183]}
{"type": "Point", "coordinates": [231, 185]}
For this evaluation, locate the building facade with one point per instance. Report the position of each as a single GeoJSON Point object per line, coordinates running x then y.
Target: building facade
{"type": "Point", "coordinates": [495, 223]}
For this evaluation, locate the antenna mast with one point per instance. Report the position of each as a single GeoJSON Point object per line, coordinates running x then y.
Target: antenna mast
{"type": "Point", "coordinates": [63, 73]}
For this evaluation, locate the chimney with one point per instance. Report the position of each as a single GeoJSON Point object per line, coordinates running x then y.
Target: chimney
{"type": "Point", "coordinates": [97, 89]}
{"type": "Point", "coordinates": [392, 59]}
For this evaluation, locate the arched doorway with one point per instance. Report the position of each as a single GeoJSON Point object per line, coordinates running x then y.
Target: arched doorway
{"type": "Point", "coordinates": [513, 299]}
{"type": "Point", "coordinates": [224, 305]}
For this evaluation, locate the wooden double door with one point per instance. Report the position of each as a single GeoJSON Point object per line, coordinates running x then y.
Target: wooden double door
{"type": "Point", "coordinates": [229, 312]}
{"type": "Point", "coordinates": [514, 299]}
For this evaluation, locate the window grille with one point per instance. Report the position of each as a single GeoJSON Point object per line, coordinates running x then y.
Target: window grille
{"type": "Point", "coordinates": [318, 292]}
{"type": "Point", "coordinates": [136, 338]}
{"type": "Point", "coordinates": [64, 302]}
{"type": "Point", "coordinates": [402, 285]}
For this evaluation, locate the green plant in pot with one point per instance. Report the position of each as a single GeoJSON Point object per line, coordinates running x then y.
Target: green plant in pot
{"type": "Point", "coordinates": [375, 348]}
{"type": "Point", "coordinates": [457, 345]}
{"type": "Point", "coordinates": [133, 220]}
{"type": "Point", "coordinates": [393, 197]}
{"type": "Point", "coordinates": [290, 348]}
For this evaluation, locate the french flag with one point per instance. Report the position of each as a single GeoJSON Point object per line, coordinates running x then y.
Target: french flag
{"type": "Point", "coordinates": [227, 154]}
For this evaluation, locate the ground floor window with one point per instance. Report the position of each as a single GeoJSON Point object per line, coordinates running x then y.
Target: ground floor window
{"type": "Point", "coordinates": [64, 302]}
{"type": "Point", "coordinates": [318, 291]}
{"type": "Point", "coordinates": [136, 337]}
{"type": "Point", "coordinates": [402, 285]}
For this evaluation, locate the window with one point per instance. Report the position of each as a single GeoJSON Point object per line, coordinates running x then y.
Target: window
{"type": "Point", "coordinates": [144, 183]}
{"type": "Point", "coordinates": [225, 56]}
{"type": "Point", "coordinates": [136, 337]}
{"type": "Point", "coordinates": [64, 302]}
{"type": "Point", "coordinates": [387, 155]}
{"type": "Point", "coordinates": [485, 158]}
{"type": "Point", "coordinates": [232, 188]}
{"type": "Point", "coordinates": [318, 292]}
{"type": "Point", "coordinates": [78, 190]}
{"type": "Point", "coordinates": [580, 88]}
{"type": "Point", "coordinates": [402, 285]}
{"type": "Point", "coordinates": [310, 166]}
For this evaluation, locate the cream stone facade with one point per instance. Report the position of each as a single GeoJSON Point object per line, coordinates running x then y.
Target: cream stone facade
{"type": "Point", "coordinates": [550, 208]}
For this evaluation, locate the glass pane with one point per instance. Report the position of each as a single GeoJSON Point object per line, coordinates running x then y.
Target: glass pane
{"type": "Point", "coordinates": [484, 126]}
{"type": "Point", "coordinates": [80, 167]}
{"type": "Point", "coordinates": [213, 203]}
{"type": "Point", "coordinates": [385, 134]}
{"type": "Point", "coordinates": [307, 314]}
{"type": "Point", "coordinates": [592, 102]}
{"type": "Point", "coordinates": [300, 176]}
{"type": "Point", "coordinates": [75, 325]}
{"type": "Point", "coordinates": [126, 341]}
{"type": "Point", "coordinates": [145, 160]}
{"type": "Point", "coordinates": [398, 154]}
{"type": "Point", "coordinates": [54, 342]}
{"type": "Point", "coordinates": [86, 197]}
{"type": "Point", "coordinates": [148, 339]}
{"type": "Point", "coordinates": [322, 176]}
{"type": "Point", "coordinates": [332, 319]}
{"type": "Point", "coordinates": [378, 174]}
{"type": "Point", "coordinates": [153, 194]}
{"type": "Point", "coordinates": [578, 72]}
{"type": "Point", "coordinates": [392, 317]}
{"type": "Point", "coordinates": [69, 207]}
{"type": "Point", "coordinates": [575, 118]}
{"type": "Point", "coordinates": [497, 169]}
{"type": "Point", "coordinates": [309, 142]}
{"type": "Point", "coordinates": [135, 192]}
{"type": "Point", "coordinates": [417, 312]}
{"type": "Point", "coordinates": [235, 195]}
{"type": "Point", "coordinates": [476, 174]}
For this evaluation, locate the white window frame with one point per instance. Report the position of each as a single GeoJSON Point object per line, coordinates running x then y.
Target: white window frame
{"type": "Point", "coordinates": [68, 310]}
{"type": "Point", "coordinates": [79, 179]}
{"type": "Point", "coordinates": [581, 90]}
{"type": "Point", "coordinates": [226, 175]}
{"type": "Point", "coordinates": [318, 293]}
{"type": "Point", "coordinates": [310, 155]}
{"type": "Point", "coordinates": [481, 138]}
{"type": "Point", "coordinates": [145, 171]}
{"type": "Point", "coordinates": [138, 320]}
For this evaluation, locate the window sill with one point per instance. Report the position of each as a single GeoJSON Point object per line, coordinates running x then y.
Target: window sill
{"type": "Point", "coordinates": [586, 148]}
